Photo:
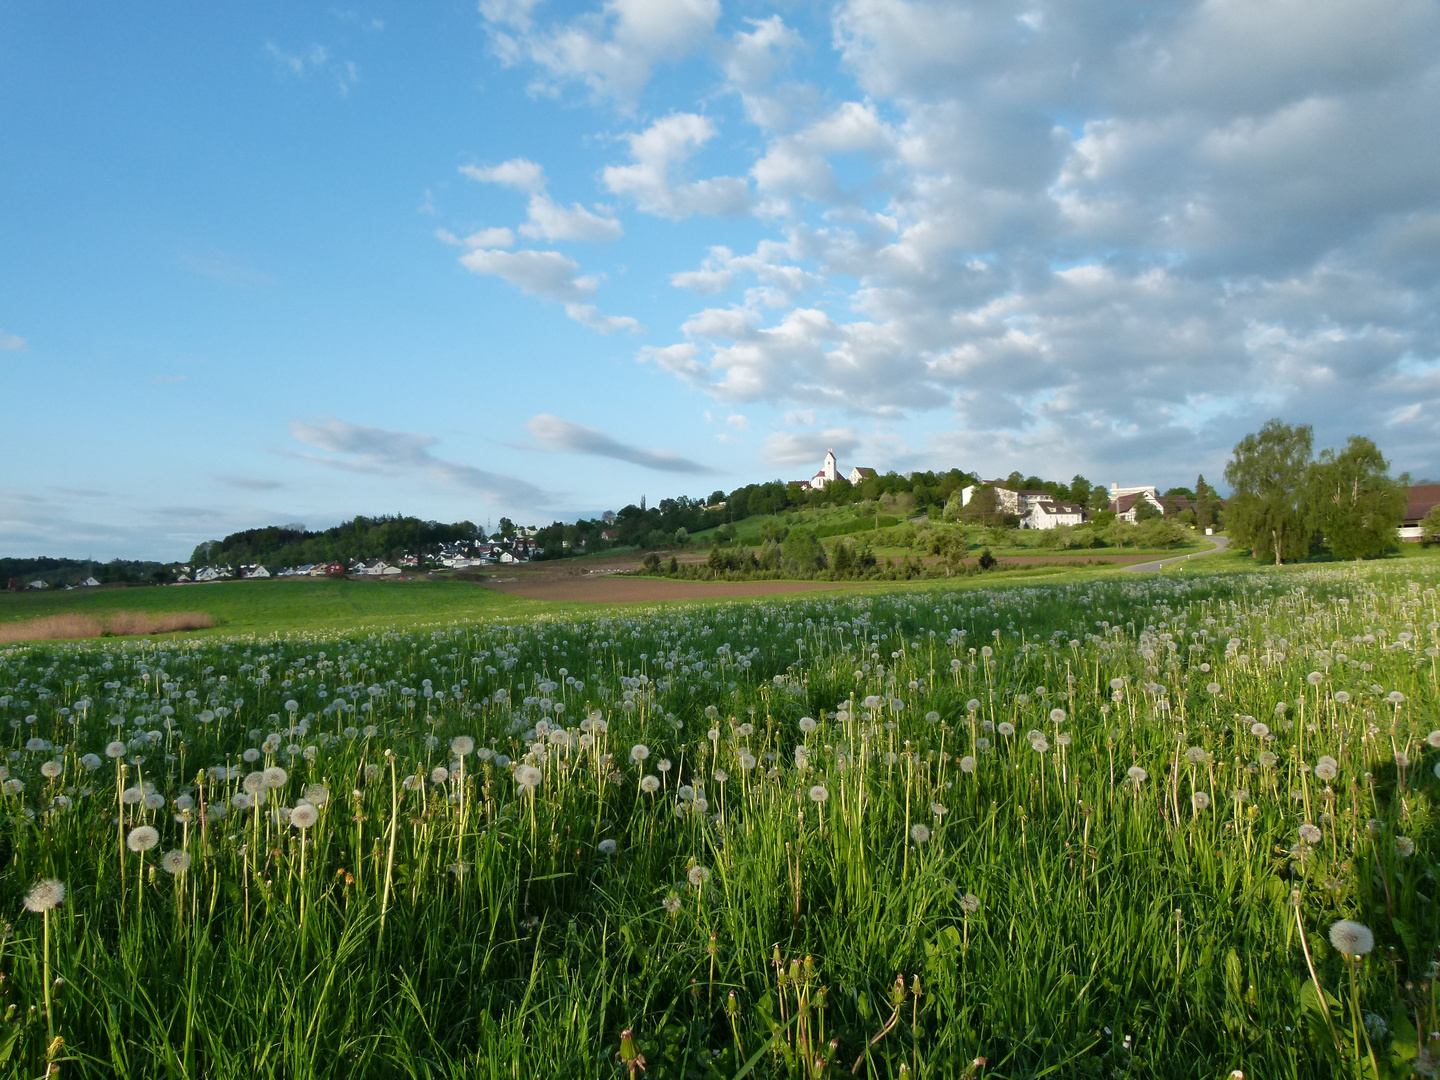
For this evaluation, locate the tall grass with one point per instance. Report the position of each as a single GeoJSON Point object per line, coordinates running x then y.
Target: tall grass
{"type": "Point", "coordinates": [119, 624]}
{"type": "Point", "coordinates": [1095, 829]}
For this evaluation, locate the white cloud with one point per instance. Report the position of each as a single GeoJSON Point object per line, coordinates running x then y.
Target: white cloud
{"type": "Point", "coordinates": [676, 359]}
{"type": "Point", "coordinates": [377, 451]}
{"type": "Point", "coordinates": [521, 174]}
{"type": "Point", "coordinates": [808, 447]}
{"type": "Point", "coordinates": [538, 273]}
{"type": "Point", "coordinates": [738, 422]}
{"type": "Point", "coordinates": [663, 148]}
{"type": "Point", "coordinates": [549, 221]}
{"type": "Point", "coordinates": [589, 315]}
{"type": "Point", "coordinates": [12, 342]}
{"type": "Point", "coordinates": [564, 436]}
{"type": "Point", "coordinates": [613, 50]}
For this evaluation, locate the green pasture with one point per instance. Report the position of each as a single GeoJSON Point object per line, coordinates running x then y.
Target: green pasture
{"type": "Point", "coordinates": [282, 605]}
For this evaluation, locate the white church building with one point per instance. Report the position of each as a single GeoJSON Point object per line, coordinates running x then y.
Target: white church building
{"type": "Point", "coordinates": [830, 472]}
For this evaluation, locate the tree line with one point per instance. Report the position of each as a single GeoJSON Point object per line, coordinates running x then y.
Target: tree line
{"type": "Point", "coordinates": [1288, 503]}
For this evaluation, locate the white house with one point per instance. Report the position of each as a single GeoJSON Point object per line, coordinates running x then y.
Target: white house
{"type": "Point", "coordinates": [1048, 513]}
{"type": "Point", "coordinates": [256, 572]}
{"type": "Point", "coordinates": [209, 573]}
{"type": "Point", "coordinates": [1123, 500]}
{"type": "Point", "coordinates": [88, 583]}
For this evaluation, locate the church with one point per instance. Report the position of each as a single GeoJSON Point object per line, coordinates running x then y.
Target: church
{"type": "Point", "coordinates": [830, 472]}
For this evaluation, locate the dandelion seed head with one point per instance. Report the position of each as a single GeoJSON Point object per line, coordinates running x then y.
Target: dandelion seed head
{"type": "Point", "coordinates": [1327, 768]}
{"type": "Point", "coordinates": [819, 793]}
{"type": "Point", "coordinates": [462, 746]}
{"type": "Point", "coordinates": [45, 895]}
{"type": "Point", "coordinates": [1201, 800]}
{"type": "Point", "coordinates": [303, 816]}
{"type": "Point", "coordinates": [175, 862]}
{"type": "Point", "coordinates": [607, 847]}
{"type": "Point", "coordinates": [1351, 938]}
{"type": "Point", "coordinates": [142, 838]}
{"type": "Point", "coordinates": [697, 876]}
{"type": "Point", "coordinates": [970, 903]}
{"type": "Point", "coordinates": [1137, 774]}
{"type": "Point", "coordinates": [1310, 833]}
{"type": "Point", "coordinates": [920, 833]}
{"type": "Point", "coordinates": [650, 783]}
{"type": "Point", "coordinates": [639, 752]}
{"type": "Point", "coordinates": [1404, 846]}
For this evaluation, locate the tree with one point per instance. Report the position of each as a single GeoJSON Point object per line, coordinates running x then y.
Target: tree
{"type": "Point", "coordinates": [1145, 510]}
{"type": "Point", "coordinates": [1430, 527]}
{"type": "Point", "coordinates": [803, 552]}
{"type": "Point", "coordinates": [954, 507]}
{"type": "Point", "coordinates": [1267, 472]}
{"type": "Point", "coordinates": [1080, 489]}
{"type": "Point", "coordinates": [1352, 502]}
{"type": "Point", "coordinates": [507, 528]}
{"type": "Point", "coordinates": [1206, 503]}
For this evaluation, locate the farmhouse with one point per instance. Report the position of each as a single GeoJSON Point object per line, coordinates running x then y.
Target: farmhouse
{"type": "Point", "coordinates": [1124, 501]}
{"type": "Point", "coordinates": [1420, 500]}
{"type": "Point", "coordinates": [1048, 513]}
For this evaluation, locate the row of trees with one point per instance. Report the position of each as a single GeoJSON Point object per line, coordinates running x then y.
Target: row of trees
{"type": "Point", "coordinates": [1286, 502]}
{"type": "Point", "coordinates": [384, 537]}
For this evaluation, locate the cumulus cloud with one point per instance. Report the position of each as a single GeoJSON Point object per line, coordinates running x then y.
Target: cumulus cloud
{"type": "Point", "coordinates": [547, 219]}
{"type": "Point", "coordinates": [612, 51]}
{"type": "Point", "coordinates": [1085, 236]}
{"type": "Point", "coordinates": [808, 447]}
{"type": "Point", "coordinates": [12, 342]}
{"type": "Point", "coordinates": [381, 452]}
{"type": "Point", "coordinates": [538, 273]}
{"type": "Point", "coordinates": [563, 436]}
{"type": "Point", "coordinates": [660, 150]}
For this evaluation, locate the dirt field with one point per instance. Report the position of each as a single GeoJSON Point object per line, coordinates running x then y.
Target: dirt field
{"type": "Point", "coordinates": [595, 581]}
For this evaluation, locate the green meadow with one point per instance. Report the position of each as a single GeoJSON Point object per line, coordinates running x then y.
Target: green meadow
{"type": "Point", "coordinates": [1072, 824]}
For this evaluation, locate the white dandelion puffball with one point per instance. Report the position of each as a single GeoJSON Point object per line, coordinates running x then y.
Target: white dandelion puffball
{"type": "Point", "coordinates": [45, 895]}
{"type": "Point", "coordinates": [1268, 760]}
{"type": "Point", "coordinates": [1314, 678]}
{"type": "Point", "coordinates": [132, 796]}
{"type": "Point", "coordinates": [920, 833]}
{"type": "Point", "coordinates": [1136, 774]}
{"type": "Point", "coordinates": [1006, 728]}
{"type": "Point", "coordinates": [1351, 938]}
{"type": "Point", "coordinates": [304, 815]}
{"type": "Point", "coordinates": [967, 764]}
{"type": "Point", "coordinates": [316, 794]}
{"type": "Point", "coordinates": [1342, 697]}
{"type": "Point", "coordinates": [650, 783]}
{"type": "Point", "coordinates": [439, 774]}
{"type": "Point", "coordinates": [819, 793]}
{"type": "Point", "coordinates": [808, 725]}
{"type": "Point", "coordinates": [51, 769]}
{"type": "Point", "coordinates": [1310, 833]}
{"type": "Point", "coordinates": [91, 762]}
{"type": "Point", "coordinates": [114, 749]}
{"type": "Point", "coordinates": [175, 862]}
{"type": "Point", "coordinates": [698, 875]}
{"type": "Point", "coordinates": [462, 746]}
{"type": "Point", "coordinates": [527, 777]}
{"type": "Point", "coordinates": [639, 752]}
{"type": "Point", "coordinates": [1327, 768]}
{"type": "Point", "coordinates": [932, 717]}
{"type": "Point", "coordinates": [253, 782]}
{"type": "Point", "coordinates": [607, 847]}
{"type": "Point", "coordinates": [142, 838]}
{"type": "Point", "coordinates": [1259, 730]}
{"type": "Point", "coordinates": [1404, 846]}
{"type": "Point", "coordinates": [251, 756]}
{"type": "Point", "coordinates": [973, 705]}
{"type": "Point", "coordinates": [1057, 716]}
{"type": "Point", "coordinates": [970, 903]}
{"type": "Point", "coordinates": [275, 777]}
{"type": "Point", "coordinates": [1201, 800]}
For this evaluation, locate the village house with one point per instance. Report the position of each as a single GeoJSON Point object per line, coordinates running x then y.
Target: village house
{"type": "Point", "coordinates": [1048, 513]}
{"type": "Point", "coordinates": [1016, 502]}
{"type": "Point", "coordinates": [1420, 500]}
{"type": "Point", "coordinates": [1124, 500]}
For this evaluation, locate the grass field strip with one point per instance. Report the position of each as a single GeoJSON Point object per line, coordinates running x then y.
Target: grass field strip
{"type": "Point", "coordinates": [1097, 828]}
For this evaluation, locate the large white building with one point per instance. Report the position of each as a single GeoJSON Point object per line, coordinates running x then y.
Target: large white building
{"type": "Point", "coordinates": [830, 472]}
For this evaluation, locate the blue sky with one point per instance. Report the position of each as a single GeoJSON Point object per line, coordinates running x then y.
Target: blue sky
{"type": "Point", "coordinates": [265, 263]}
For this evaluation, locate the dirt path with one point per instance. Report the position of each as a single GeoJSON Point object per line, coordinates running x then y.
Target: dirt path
{"type": "Point", "coordinates": [1220, 542]}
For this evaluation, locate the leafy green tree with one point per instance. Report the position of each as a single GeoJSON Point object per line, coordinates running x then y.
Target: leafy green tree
{"type": "Point", "coordinates": [1430, 527]}
{"type": "Point", "coordinates": [1080, 489]}
{"type": "Point", "coordinates": [1267, 473]}
{"type": "Point", "coordinates": [803, 552]}
{"type": "Point", "coordinates": [1145, 510]}
{"type": "Point", "coordinates": [954, 506]}
{"type": "Point", "coordinates": [1351, 500]}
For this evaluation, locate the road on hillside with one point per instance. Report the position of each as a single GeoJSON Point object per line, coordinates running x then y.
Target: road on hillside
{"type": "Point", "coordinates": [1221, 543]}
